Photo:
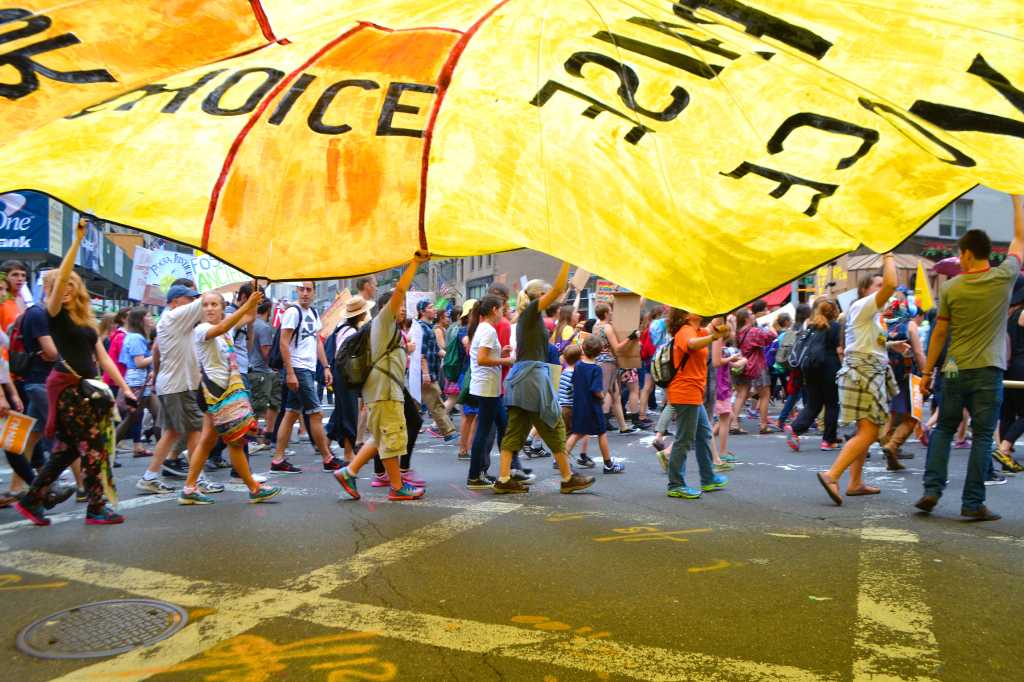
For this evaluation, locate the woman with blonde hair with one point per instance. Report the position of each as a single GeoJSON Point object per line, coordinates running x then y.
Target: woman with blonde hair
{"type": "Point", "coordinates": [81, 407]}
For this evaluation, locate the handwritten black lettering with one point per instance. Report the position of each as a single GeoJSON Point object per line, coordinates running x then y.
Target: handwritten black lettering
{"type": "Point", "coordinates": [829, 125]}
{"type": "Point", "coordinates": [959, 119]}
{"type": "Point", "coordinates": [786, 182]}
{"type": "Point", "coordinates": [28, 69]}
{"type": "Point", "coordinates": [596, 107]}
{"type": "Point", "coordinates": [758, 24]}
{"type": "Point", "coordinates": [316, 116]}
{"type": "Point", "coordinates": [181, 95]}
{"type": "Point", "coordinates": [959, 158]}
{"type": "Point", "coordinates": [212, 103]}
{"type": "Point", "coordinates": [630, 83]}
{"type": "Point", "coordinates": [393, 105]}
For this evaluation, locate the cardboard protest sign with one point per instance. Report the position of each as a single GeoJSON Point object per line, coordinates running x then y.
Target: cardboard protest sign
{"type": "Point", "coordinates": [626, 320]}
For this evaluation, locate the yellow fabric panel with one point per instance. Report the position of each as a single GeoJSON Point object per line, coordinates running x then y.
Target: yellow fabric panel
{"type": "Point", "coordinates": [119, 43]}
{"type": "Point", "coordinates": [700, 152]}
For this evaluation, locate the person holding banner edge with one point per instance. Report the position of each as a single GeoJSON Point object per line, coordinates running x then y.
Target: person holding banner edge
{"type": "Point", "coordinates": [81, 406]}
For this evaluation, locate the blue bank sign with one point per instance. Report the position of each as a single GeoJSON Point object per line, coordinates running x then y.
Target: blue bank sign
{"type": "Point", "coordinates": [24, 222]}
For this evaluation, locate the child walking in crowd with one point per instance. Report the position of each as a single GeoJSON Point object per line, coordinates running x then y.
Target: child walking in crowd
{"type": "Point", "coordinates": [570, 357]}
{"type": "Point", "coordinates": [587, 414]}
{"type": "Point", "coordinates": [229, 414]}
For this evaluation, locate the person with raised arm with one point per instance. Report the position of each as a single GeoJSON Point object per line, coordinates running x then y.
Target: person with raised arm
{"type": "Point", "coordinates": [530, 394]}
{"type": "Point", "coordinates": [866, 382]}
{"type": "Point", "coordinates": [973, 308]}
{"type": "Point", "coordinates": [385, 396]}
{"type": "Point", "coordinates": [81, 407]}
{"type": "Point", "coordinates": [229, 415]}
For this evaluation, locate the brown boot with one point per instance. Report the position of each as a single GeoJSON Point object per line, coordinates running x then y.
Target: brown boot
{"type": "Point", "coordinates": [892, 462]}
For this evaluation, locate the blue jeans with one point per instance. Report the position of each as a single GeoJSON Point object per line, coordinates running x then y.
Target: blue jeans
{"type": "Point", "coordinates": [492, 416]}
{"type": "Point", "coordinates": [790, 404]}
{"type": "Point", "coordinates": [693, 430]}
{"type": "Point", "coordinates": [305, 400]}
{"type": "Point", "coordinates": [981, 392]}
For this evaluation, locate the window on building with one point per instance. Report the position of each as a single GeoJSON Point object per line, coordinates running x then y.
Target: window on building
{"type": "Point", "coordinates": [956, 218]}
{"type": "Point", "coordinates": [490, 261]}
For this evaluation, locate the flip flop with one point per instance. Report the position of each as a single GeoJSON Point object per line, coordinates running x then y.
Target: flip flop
{"type": "Point", "coordinates": [863, 490]}
{"type": "Point", "coordinates": [828, 484]}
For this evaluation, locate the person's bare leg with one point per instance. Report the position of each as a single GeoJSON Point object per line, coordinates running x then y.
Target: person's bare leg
{"type": "Point", "coordinates": [742, 391]}
{"type": "Point", "coordinates": [505, 464]}
{"type": "Point", "coordinates": [570, 442]}
{"type": "Point", "coordinates": [853, 452]}
{"type": "Point", "coordinates": [763, 398]}
{"type": "Point", "coordinates": [394, 471]}
{"type": "Point", "coordinates": [560, 457]}
{"type": "Point", "coordinates": [606, 454]}
{"type": "Point", "coordinates": [961, 434]}
{"type": "Point", "coordinates": [199, 451]}
{"type": "Point", "coordinates": [365, 454]}
{"type": "Point", "coordinates": [620, 417]}
{"type": "Point", "coordinates": [466, 431]}
{"type": "Point", "coordinates": [723, 433]}
{"type": "Point", "coordinates": [645, 394]}
{"type": "Point", "coordinates": [270, 418]}
{"type": "Point", "coordinates": [284, 434]}
{"type": "Point", "coordinates": [361, 425]}
{"type": "Point", "coordinates": [316, 423]}
{"type": "Point", "coordinates": [583, 448]}
{"type": "Point", "coordinates": [162, 449]}
{"type": "Point", "coordinates": [633, 402]}
{"type": "Point", "coordinates": [241, 464]}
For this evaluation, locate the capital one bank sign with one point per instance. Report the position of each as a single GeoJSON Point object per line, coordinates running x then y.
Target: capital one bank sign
{"type": "Point", "coordinates": [24, 222]}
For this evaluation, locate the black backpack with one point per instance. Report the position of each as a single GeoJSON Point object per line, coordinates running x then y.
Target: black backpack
{"type": "Point", "coordinates": [813, 351]}
{"type": "Point", "coordinates": [799, 350]}
{"type": "Point", "coordinates": [354, 361]}
{"type": "Point", "coordinates": [274, 359]}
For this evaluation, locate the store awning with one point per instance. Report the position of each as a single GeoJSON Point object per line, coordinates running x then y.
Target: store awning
{"type": "Point", "coordinates": [779, 296]}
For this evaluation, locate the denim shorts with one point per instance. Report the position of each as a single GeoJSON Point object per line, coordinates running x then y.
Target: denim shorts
{"type": "Point", "coordinates": [306, 399]}
{"type": "Point", "coordinates": [36, 403]}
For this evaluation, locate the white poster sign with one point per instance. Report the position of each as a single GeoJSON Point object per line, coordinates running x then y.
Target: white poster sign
{"type": "Point", "coordinates": [416, 363]}
{"type": "Point", "coordinates": [213, 275]}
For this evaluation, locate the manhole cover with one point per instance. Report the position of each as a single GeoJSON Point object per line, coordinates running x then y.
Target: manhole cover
{"type": "Point", "coordinates": [104, 628]}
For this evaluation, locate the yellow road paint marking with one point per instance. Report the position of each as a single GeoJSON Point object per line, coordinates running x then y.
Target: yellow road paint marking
{"type": "Point", "coordinates": [648, 533]}
{"type": "Point", "coordinates": [521, 644]}
{"type": "Point", "coordinates": [250, 658]}
{"type": "Point", "coordinates": [713, 567]}
{"type": "Point", "coordinates": [787, 535]}
{"type": "Point", "coordinates": [893, 630]}
{"type": "Point", "coordinates": [10, 581]}
{"type": "Point", "coordinates": [558, 517]}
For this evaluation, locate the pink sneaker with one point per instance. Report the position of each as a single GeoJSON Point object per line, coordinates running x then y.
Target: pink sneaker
{"type": "Point", "coordinates": [792, 440]}
{"type": "Point", "coordinates": [964, 444]}
{"type": "Point", "coordinates": [380, 481]}
{"type": "Point", "coordinates": [412, 479]}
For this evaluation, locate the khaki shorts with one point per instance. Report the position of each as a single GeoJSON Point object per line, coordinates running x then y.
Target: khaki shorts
{"type": "Point", "coordinates": [519, 424]}
{"type": "Point", "coordinates": [567, 418]}
{"type": "Point", "coordinates": [386, 425]}
{"type": "Point", "coordinates": [179, 412]}
{"type": "Point", "coordinates": [266, 391]}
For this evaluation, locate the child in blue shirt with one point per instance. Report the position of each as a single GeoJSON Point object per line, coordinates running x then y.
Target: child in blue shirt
{"type": "Point", "coordinates": [587, 411]}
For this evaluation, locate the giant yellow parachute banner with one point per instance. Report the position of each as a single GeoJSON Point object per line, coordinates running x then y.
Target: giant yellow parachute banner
{"type": "Point", "coordinates": [700, 152]}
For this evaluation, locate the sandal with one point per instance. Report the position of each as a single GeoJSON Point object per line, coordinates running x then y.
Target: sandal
{"type": "Point", "coordinates": [863, 490]}
{"type": "Point", "coordinates": [737, 431]}
{"type": "Point", "coordinates": [142, 453]}
{"type": "Point", "coordinates": [831, 487]}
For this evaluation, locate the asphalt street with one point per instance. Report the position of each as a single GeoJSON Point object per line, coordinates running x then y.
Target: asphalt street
{"type": "Point", "coordinates": [765, 580]}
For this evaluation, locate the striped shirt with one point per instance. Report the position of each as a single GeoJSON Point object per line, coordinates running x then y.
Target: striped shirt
{"type": "Point", "coordinates": [565, 388]}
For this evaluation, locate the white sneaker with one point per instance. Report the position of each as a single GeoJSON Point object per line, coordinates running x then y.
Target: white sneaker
{"type": "Point", "coordinates": [259, 478]}
{"type": "Point", "coordinates": [257, 447]}
{"type": "Point", "coordinates": [208, 487]}
{"type": "Point", "coordinates": [154, 487]}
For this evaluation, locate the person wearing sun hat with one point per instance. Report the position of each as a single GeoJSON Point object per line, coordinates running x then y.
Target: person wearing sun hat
{"type": "Point", "coordinates": [344, 423]}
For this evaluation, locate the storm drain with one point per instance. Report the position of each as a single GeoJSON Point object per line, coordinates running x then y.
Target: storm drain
{"type": "Point", "coordinates": [104, 628]}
